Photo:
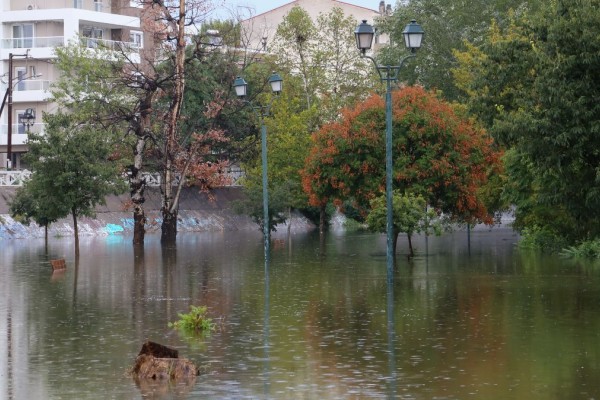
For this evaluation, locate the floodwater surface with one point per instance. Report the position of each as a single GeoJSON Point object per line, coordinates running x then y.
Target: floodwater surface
{"type": "Point", "coordinates": [319, 321]}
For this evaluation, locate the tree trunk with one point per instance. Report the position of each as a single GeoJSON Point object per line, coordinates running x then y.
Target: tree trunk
{"type": "Point", "coordinates": [170, 206]}
{"type": "Point", "coordinates": [394, 246]}
{"type": "Point", "coordinates": [169, 227]}
{"type": "Point", "coordinates": [75, 231]}
{"type": "Point", "coordinates": [322, 218]}
{"type": "Point", "coordinates": [137, 183]}
{"type": "Point", "coordinates": [410, 246]}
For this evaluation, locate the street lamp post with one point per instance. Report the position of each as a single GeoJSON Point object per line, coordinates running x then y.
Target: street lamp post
{"type": "Point", "coordinates": [241, 88]}
{"type": "Point", "coordinates": [413, 35]}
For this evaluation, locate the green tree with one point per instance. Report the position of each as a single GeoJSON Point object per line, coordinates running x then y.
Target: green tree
{"type": "Point", "coordinates": [287, 144]}
{"type": "Point", "coordinates": [323, 54]}
{"type": "Point", "coordinates": [72, 171]}
{"type": "Point", "coordinates": [105, 89]}
{"type": "Point", "coordinates": [411, 216]}
{"type": "Point", "coordinates": [535, 86]}
{"type": "Point", "coordinates": [32, 202]}
{"type": "Point", "coordinates": [448, 25]}
{"type": "Point", "coordinates": [438, 153]}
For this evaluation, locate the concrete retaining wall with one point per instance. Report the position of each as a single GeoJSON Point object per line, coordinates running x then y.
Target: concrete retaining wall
{"type": "Point", "coordinates": [197, 213]}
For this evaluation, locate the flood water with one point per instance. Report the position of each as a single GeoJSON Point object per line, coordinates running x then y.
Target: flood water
{"type": "Point", "coordinates": [320, 321]}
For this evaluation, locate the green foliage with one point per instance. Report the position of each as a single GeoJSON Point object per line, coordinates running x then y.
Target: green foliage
{"type": "Point", "coordinates": [438, 153]}
{"type": "Point", "coordinates": [535, 86]}
{"type": "Point", "coordinates": [72, 171]}
{"type": "Point", "coordinates": [589, 249]}
{"type": "Point", "coordinates": [448, 25]}
{"type": "Point", "coordinates": [195, 322]}
{"type": "Point", "coordinates": [541, 238]}
{"type": "Point", "coordinates": [31, 203]}
{"type": "Point", "coordinates": [410, 215]}
{"type": "Point", "coordinates": [323, 55]}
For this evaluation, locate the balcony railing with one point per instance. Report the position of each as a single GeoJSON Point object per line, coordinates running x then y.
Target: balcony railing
{"type": "Point", "coordinates": [56, 41]}
{"type": "Point", "coordinates": [31, 84]}
{"type": "Point", "coordinates": [90, 5]}
{"type": "Point", "coordinates": [93, 43]}
{"type": "Point", "coordinates": [19, 129]}
{"type": "Point", "coordinates": [32, 42]}
{"type": "Point", "coordinates": [14, 178]}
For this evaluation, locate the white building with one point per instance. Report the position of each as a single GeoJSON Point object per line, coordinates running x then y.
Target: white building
{"type": "Point", "coordinates": [260, 29]}
{"type": "Point", "coordinates": [29, 32]}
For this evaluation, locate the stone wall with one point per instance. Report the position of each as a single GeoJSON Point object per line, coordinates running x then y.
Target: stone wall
{"type": "Point", "coordinates": [197, 213]}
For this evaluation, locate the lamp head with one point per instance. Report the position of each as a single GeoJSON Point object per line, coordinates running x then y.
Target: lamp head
{"type": "Point", "coordinates": [364, 34]}
{"type": "Point", "coordinates": [413, 35]}
{"type": "Point", "coordinates": [276, 83]}
{"type": "Point", "coordinates": [240, 86]}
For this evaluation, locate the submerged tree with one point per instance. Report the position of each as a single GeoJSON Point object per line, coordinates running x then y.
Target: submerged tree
{"type": "Point", "coordinates": [438, 154]}
{"type": "Point", "coordinates": [72, 171]}
{"type": "Point", "coordinates": [411, 216]}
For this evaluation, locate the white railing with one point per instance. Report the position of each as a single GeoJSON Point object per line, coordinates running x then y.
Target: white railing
{"type": "Point", "coordinates": [16, 178]}
{"type": "Point", "coordinates": [91, 5]}
{"type": "Point", "coordinates": [13, 178]}
{"type": "Point", "coordinates": [31, 84]}
{"type": "Point", "coordinates": [32, 42]}
{"type": "Point", "coordinates": [93, 43]}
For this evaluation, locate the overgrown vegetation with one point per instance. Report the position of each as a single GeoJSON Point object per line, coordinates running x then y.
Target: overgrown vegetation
{"type": "Point", "coordinates": [196, 322]}
{"type": "Point", "coordinates": [589, 249]}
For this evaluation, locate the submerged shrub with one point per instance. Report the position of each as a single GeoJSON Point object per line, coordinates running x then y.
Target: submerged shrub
{"type": "Point", "coordinates": [541, 238]}
{"type": "Point", "coordinates": [194, 322]}
{"type": "Point", "coordinates": [589, 249]}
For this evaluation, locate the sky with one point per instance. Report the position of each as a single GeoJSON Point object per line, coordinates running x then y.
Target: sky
{"type": "Point", "coordinates": [260, 6]}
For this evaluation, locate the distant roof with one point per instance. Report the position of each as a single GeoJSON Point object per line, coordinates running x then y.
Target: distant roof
{"type": "Point", "coordinates": [296, 1]}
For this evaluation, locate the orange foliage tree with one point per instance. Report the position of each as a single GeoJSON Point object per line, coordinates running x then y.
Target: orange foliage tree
{"type": "Point", "coordinates": [438, 153]}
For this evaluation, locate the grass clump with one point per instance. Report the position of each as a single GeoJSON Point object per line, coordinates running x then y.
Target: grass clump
{"type": "Point", "coordinates": [589, 249]}
{"type": "Point", "coordinates": [195, 322]}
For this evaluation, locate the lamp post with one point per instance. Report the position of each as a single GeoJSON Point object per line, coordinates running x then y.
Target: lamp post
{"type": "Point", "coordinates": [413, 35]}
{"type": "Point", "coordinates": [241, 88]}
{"type": "Point", "coordinates": [27, 118]}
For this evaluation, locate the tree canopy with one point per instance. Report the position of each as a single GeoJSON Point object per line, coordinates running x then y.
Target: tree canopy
{"type": "Point", "coordinates": [438, 154]}
{"type": "Point", "coordinates": [535, 86]}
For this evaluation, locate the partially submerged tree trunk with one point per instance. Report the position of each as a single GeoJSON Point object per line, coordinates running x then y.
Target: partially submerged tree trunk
{"type": "Point", "coordinates": [161, 363]}
{"type": "Point", "coordinates": [137, 183]}
{"type": "Point", "coordinates": [322, 218]}
{"type": "Point", "coordinates": [170, 201]}
{"type": "Point", "coordinates": [75, 231]}
{"type": "Point", "coordinates": [411, 253]}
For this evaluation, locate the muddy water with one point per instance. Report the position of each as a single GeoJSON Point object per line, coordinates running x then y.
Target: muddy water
{"type": "Point", "coordinates": [320, 321]}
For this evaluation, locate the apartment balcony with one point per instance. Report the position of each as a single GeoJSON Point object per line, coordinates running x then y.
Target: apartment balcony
{"type": "Point", "coordinates": [31, 91]}
{"type": "Point", "coordinates": [33, 5]}
{"type": "Point", "coordinates": [43, 47]}
{"type": "Point", "coordinates": [64, 11]}
{"type": "Point", "coordinates": [19, 135]}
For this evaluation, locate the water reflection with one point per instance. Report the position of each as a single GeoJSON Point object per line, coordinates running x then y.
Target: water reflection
{"type": "Point", "coordinates": [266, 333]}
{"type": "Point", "coordinates": [308, 323]}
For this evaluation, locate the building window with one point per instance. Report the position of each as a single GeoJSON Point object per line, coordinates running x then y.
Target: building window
{"type": "Point", "coordinates": [98, 5]}
{"type": "Point", "coordinates": [21, 76]}
{"type": "Point", "coordinates": [77, 3]}
{"type": "Point", "coordinates": [22, 36]}
{"type": "Point", "coordinates": [93, 36]}
{"type": "Point", "coordinates": [20, 127]}
{"type": "Point", "coordinates": [137, 39]}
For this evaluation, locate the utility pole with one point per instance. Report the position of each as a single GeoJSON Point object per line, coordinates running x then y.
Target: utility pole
{"type": "Point", "coordinates": [8, 100]}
